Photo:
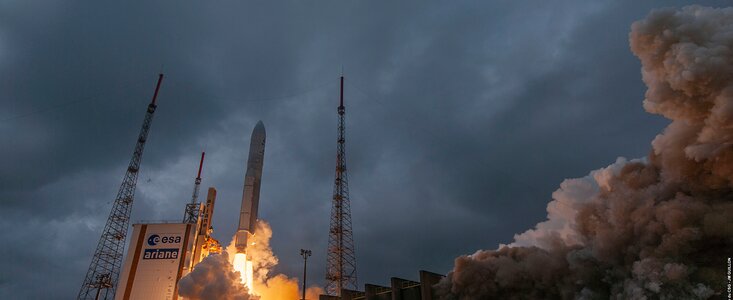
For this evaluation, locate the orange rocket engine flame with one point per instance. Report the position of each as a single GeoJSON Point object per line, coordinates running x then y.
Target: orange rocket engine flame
{"type": "Point", "coordinates": [244, 275]}
{"type": "Point", "coordinates": [246, 271]}
{"type": "Point", "coordinates": [254, 266]}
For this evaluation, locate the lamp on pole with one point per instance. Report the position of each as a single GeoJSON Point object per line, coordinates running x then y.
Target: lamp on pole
{"type": "Point", "coordinates": [304, 253]}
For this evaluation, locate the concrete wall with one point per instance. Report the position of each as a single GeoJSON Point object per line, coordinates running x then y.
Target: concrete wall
{"type": "Point", "coordinates": [399, 289]}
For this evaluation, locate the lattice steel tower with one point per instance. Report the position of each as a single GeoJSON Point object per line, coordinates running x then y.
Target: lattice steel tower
{"type": "Point", "coordinates": [193, 209]}
{"type": "Point", "coordinates": [104, 271]}
{"type": "Point", "coordinates": [341, 272]}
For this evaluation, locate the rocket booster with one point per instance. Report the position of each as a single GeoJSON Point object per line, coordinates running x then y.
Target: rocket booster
{"type": "Point", "coordinates": [251, 194]}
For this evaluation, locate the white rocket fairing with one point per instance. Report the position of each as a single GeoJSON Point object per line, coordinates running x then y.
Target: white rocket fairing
{"type": "Point", "coordinates": [251, 194]}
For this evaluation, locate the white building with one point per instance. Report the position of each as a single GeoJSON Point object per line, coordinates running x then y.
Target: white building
{"type": "Point", "coordinates": [160, 254]}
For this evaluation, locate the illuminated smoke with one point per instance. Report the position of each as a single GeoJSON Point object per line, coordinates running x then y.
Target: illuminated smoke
{"type": "Point", "coordinates": [263, 260]}
{"type": "Point", "coordinates": [212, 279]}
{"type": "Point", "coordinates": [654, 228]}
{"type": "Point", "coordinates": [252, 269]}
{"type": "Point", "coordinates": [258, 251]}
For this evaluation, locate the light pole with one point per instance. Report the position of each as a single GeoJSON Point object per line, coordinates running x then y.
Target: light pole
{"type": "Point", "coordinates": [304, 253]}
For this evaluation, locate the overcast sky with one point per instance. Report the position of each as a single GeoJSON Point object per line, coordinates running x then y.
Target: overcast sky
{"type": "Point", "coordinates": [462, 118]}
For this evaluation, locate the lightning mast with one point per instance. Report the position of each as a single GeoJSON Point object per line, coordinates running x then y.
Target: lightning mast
{"type": "Point", "coordinates": [193, 208]}
{"type": "Point", "coordinates": [341, 260]}
{"type": "Point", "coordinates": [104, 270]}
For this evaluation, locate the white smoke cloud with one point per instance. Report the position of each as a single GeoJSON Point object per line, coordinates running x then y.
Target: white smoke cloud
{"type": "Point", "coordinates": [687, 63]}
{"type": "Point", "coordinates": [562, 211]}
{"type": "Point", "coordinates": [266, 285]}
{"type": "Point", "coordinates": [213, 278]}
{"type": "Point", "coordinates": [216, 278]}
{"type": "Point", "coordinates": [658, 228]}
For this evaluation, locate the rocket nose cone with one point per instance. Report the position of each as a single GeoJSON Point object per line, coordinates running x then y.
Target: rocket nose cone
{"type": "Point", "coordinates": [260, 127]}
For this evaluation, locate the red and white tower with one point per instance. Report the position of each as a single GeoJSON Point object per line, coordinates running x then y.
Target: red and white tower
{"type": "Point", "coordinates": [341, 260]}
{"type": "Point", "coordinates": [104, 270]}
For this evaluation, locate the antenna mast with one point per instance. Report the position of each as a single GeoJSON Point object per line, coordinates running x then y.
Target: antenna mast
{"type": "Point", "coordinates": [341, 260]}
{"type": "Point", "coordinates": [104, 270]}
{"type": "Point", "coordinates": [193, 208]}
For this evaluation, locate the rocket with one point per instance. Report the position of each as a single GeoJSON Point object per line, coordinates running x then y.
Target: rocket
{"type": "Point", "coordinates": [251, 193]}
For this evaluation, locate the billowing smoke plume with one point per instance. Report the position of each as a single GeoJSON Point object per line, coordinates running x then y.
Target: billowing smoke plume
{"type": "Point", "coordinates": [655, 228]}
{"type": "Point", "coordinates": [215, 278]}
{"type": "Point", "coordinates": [267, 287]}
{"type": "Point", "coordinates": [212, 279]}
{"type": "Point", "coordinates": [258, 251]}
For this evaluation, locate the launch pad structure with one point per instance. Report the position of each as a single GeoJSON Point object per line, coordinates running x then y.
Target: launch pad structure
{"type": "Point", "coordinates": [104, 269]}
{"type": "Point", "coordinates": [161, 253]}
{"type": "Point", "coordinates": [193, 209]}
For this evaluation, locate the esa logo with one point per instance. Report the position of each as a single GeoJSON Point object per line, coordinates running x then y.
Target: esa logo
{"type": "Point", "coordinates": [155, 239]}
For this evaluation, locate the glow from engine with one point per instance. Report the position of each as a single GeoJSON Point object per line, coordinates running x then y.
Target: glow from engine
{"type": "Point", "coordinates": [246, 271]}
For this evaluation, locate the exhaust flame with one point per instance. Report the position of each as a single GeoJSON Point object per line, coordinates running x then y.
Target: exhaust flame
{"type": "Point", "coordinates": [243, 276]}
{"type": "Point", "coordinates": [246, 272]}
{"type": "Point", "coordinates": [255, 265]}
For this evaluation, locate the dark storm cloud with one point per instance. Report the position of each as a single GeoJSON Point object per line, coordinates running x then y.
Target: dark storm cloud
{"type": "Point", "coordinates": [451, 111]}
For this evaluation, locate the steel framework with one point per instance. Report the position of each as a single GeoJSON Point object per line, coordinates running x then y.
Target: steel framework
{"type": "Point", "coordinates": [341, 260]}
{"type": "Point", "coordinates": [193, 209]}
{"type": "Point", "coordinates": [104, 270]}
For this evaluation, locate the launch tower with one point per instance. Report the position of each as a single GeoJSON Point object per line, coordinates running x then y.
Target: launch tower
{"type": "Point", "coordinates": [341, 260]}
{"type": "Point", "coordinates": [193, 209]}
{"type": "Point", "coordinates": [104, 270]}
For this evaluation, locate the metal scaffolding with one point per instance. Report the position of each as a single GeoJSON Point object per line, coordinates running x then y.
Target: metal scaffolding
{"type": "Point", "coordinates": [341, 260]}
{"type": "Point", "coordinates": [104, 270]}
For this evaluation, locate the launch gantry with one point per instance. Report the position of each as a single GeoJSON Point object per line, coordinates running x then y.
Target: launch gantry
{"type": "Point", "coordinates": [104, 270]}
